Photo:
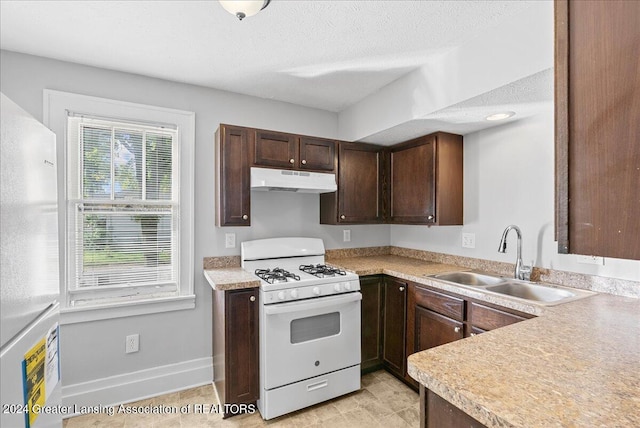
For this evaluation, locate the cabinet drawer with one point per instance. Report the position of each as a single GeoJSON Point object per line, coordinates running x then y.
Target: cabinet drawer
{"type": "Point", "coordinates": [486, 318]}
{"type": "Point", "coordinates": [452, 307]}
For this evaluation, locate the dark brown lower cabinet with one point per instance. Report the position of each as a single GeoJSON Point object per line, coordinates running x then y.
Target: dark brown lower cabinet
{"type": "Point", "coordinates": [436, 412]}
{"type": "Point", "coordinates": [394, 321]}
{"type": "Point", "coordinates": [433, 329]}
{"type": "Point", "coordinates": [484, 318]}
{"type": "Point", "coordinates": [236, 355]}
{"type": "Point", "coordinates": [372, 289]}
{"type": "Point", "coordinates": [433, 319]}
{"type": "Point", "coordinates": [400, 318]}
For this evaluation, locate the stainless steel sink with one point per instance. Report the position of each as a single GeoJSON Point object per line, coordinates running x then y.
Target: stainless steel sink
{"type": "Point", "coordinates": [528, 291]}
{"type": "Point", "coordinates": [469, 278]}
{"type": "Point", "coordinates": [533, 292]}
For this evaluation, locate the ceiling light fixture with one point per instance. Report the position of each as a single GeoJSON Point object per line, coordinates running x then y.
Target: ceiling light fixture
{"type": "Point", "coordinates": [500, 116]}
{"type": "Point", "coordinates": [244, 8]}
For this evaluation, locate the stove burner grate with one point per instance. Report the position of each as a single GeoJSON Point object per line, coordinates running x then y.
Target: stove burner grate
{"type": "Point", "coordinates": [321, 270]}
{"type": "Point", "coordinates": [276, 275]}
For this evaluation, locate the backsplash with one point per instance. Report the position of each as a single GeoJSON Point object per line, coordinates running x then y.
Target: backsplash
{"type": "Point", "coordinates": [209, 263]}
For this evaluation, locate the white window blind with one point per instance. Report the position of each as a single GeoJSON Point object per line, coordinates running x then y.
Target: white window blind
{"type": "Point", "coordinates": [123, 210]}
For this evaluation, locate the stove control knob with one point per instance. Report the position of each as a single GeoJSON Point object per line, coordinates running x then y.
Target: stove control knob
{"type": "Point", "coordinates": [281, 295]}
{"type": "Point", "coordinates": [294, 294]}
{"type": "Point", "coordinates": [316, 291]}
{"type": "Point", "coordinates": [337, 287]}
{"type": "Point", "coordinates": [347, 286]}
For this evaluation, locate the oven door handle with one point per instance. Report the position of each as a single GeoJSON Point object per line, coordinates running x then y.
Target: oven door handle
{"type": "Point", "coordinates": [317, 303]}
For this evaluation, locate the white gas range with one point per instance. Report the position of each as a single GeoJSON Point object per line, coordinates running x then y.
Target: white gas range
{"type": "Point", "coordinates": [309, 324]}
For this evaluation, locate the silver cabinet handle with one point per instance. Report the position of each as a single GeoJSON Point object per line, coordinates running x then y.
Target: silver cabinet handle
{"type": "Point", "coordinates": [292, 161]}
{"type": "Point", "coordinates": [342, 217]}
{"type": "Point", "coordinates": [304, 162]}
{"type": "Point", "coordinates": [456, 329]}
{"type": "Point", "coordinates": [430, 217]}
{"type": "Point", "coordinates": [245, 217]}
{"type": "Point", "coordinates": [252, 298]}
{"type": "Point", "coordinates": [401, 288]}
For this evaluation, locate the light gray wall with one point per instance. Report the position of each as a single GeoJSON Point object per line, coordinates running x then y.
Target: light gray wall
{"type": "Point", "coordinates": [509, 179]}
{"type": "Point", "coordinates": [95, 350]}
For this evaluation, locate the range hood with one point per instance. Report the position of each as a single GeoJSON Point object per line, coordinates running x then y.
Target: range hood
{"type": "Point", "coordinates": [282, 180]}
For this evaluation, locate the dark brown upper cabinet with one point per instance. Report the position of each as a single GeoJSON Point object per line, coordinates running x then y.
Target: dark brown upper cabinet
{"type": "Point", "coordinates": [425, 177]}
{"type": "Point", "coordinates": [289, 151]}
{"type": "Point", "coordinates": [317, 154]}
{"type": "Point", "coordinates": [233, 176]}
{"type": "Point", "coordinates": [417, 182]}
{"type": "Point", "coordinates": [359, 197]}
{"type": "Point", "coordinates": [597, 46]}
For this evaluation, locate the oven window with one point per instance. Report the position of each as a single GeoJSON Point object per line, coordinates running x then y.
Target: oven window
{"type": "Point", "coordinates": [315, 327]}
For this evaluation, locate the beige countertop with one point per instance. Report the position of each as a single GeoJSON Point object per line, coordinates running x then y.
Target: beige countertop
{"type": "Point", "coordinates": [575, 365]}
{"type": "Point", "coordinates": [419, 270]}
{"type": "Point", "coordinates": [231, 278]}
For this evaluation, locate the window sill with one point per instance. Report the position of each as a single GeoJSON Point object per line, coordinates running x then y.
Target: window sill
{"type": "Point", "coordinates": [73, 315]}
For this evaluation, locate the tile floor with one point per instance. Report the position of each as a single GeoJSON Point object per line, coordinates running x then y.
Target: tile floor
{"type": "Point", "coordinates": [383, 401]}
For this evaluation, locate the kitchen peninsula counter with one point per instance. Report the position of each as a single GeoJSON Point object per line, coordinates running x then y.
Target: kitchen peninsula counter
{"type": "Point", "coordinates": [576, 364]}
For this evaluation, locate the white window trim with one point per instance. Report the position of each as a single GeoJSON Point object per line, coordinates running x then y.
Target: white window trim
{"type": "Point", "coordinates": [55, 108]}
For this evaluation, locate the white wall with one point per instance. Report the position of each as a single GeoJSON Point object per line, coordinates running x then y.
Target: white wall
{"type": "Point", "coordinates": [485, 63]}
{"type": "Point", "coordinates": [509, 179]}
{"type": "Point", "coordinates": [95, 350]}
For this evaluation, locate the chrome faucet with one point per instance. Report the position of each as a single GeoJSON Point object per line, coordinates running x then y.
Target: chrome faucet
{"type": "Point", "coordinates": [521, 271]}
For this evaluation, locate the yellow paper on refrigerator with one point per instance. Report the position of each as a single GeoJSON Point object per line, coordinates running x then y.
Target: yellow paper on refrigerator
{"type": "Point", "coordinates": [34, 385]}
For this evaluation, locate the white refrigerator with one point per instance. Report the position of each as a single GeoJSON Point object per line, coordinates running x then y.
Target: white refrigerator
{"type": "Point", "coordinates": [29, 332]}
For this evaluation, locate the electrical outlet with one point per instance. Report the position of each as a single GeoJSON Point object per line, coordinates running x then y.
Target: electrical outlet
{"type": "Point", "coordinates": [229, 240]}
{"type": "Point", "coordinates": [468, 240]}
{"type": "Point", "coordinates": [591, 260]}
{"type": "Point", "coordinates": [346, 235]}
{"type": "Point", "coordinates": [132, 343]}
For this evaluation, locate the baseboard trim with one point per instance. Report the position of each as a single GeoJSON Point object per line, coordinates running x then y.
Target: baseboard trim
{"type": "Point", "coordinates": [139, 385]}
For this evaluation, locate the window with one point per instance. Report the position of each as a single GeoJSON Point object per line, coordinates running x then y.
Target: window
{"type": "Point", "coordinates": [128, 205]}
{"type": "Point", "coordinates": [122, 210]}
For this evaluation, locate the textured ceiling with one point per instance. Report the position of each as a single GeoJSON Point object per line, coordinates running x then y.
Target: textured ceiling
{"type": "Point", "coordinates": [324, 54]}
{"type": "Point", "coordinates": [527, 97]}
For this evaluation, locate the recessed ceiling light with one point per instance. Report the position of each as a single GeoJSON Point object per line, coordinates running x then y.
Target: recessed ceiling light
{"type": "Point", "coordinates": [500, 116]}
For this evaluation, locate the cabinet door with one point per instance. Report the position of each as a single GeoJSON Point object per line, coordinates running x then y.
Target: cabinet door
{"type": "Point", "coordinates": [597, 127]}
{"type": "Point", "coordinates": [234, 176]}
{"type": "Point", "coordinates": [412, 182]}
{"type": "Point", "coordinates": [371, 323]}
{"type": "Point", "coordinates": [432, 329]}
{"type": "Point", "coordinates": [242, 346]}
{"type": "Point", "coordinates": [359, 183]}
{"type": "Point", "coordinates": [275, 149]}
{"type": "Point", "coordinates": [395, 293]}
{"type": "Point", "coordinates": [317, 154]}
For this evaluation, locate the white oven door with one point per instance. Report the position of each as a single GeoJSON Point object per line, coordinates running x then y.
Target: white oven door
{"type": "Point", "coordinates": [308, 338]}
